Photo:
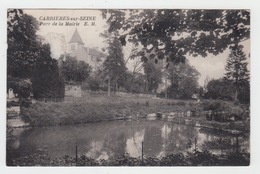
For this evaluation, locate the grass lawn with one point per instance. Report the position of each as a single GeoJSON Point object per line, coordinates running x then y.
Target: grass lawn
{"type": "Point", "coordinates": [98, 107]}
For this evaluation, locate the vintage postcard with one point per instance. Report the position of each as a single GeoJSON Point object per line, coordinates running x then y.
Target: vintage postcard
{"type": "Point", "coordinates": [132, 87]}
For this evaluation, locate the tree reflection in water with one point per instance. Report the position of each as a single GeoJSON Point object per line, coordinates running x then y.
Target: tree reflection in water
{"type": "Point", "coordinates": [180, 138]}
{"type": "Point", "coordinates": [134, 144]}
{"type": "Point", "coordinates": [110, 139]}
{"type": "Point", "coordinates": [219, 142]}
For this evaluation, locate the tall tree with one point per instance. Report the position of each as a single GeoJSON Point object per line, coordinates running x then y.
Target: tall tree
{"type": "Point", "coordinates": [23, 43]}
{"type": "Point", "coordinates": [28, 58]}
{"type": "Point", "coordinates": [183, 79]}
{"type": "Point", "coordinates": [135, 82]}
{"type": "Point", "coordinates": [206, 81]}
{"type": "Point", "coordinates": [153, 75]}
{"type": "Point", "coordinates": [47, 81]}
{"type": "Point", "coordinates": [73, 70]}
{"type": "Point", "coordinates": [219, 89]}
{"type": "Point", "coordinates": [114, 65]}
{"type": "Point", "coordinates": [236, 68]}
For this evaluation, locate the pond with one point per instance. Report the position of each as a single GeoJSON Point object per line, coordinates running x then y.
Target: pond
{"type": "Point", "coordinates": [102, 140]}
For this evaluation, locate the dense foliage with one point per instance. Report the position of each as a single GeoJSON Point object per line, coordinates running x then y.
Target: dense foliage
{"type": "Point", "coordinates": [194, 158]}
{"type": "Point", "coordinates": [135, 83]}
{"type": "Point", "coordinates": [171, 34]}
{"type": "Point", "coordinates": [73, 70]}
{"type": "Point", "coordinates": [183, 81]}
{"type": "Point", "coordinates": [153, 74]}
{"type": "Point", "coordinates": [47, 81]}
{"type": "Point", "coordinates": [235, 84]}
{"type": "Point", "coordinates": [23, 44]}
{"type": "Point", "coordinates": [20, 86]}
{"type": "Point", "coordinates": [219, 89]}
{"type": "Point", "coordinates": [114, 65]}
{"type": "Point", "coordinates": [28, 58]}
{"type": "Point", "coordinates": [93, 84]}
{"type": "Point", "coordinates": [237, 73]}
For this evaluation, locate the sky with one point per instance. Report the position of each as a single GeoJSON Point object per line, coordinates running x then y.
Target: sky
{"type": "Point", "coordinates": [211, 66]}
{"type": "Point", "coordinates": [214, 66]}
{"type": "Point", "coordinates": [89, 34]}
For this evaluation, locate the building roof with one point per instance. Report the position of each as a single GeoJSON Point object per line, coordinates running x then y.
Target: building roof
{"type": "Point", "coordinates": [76, 37]}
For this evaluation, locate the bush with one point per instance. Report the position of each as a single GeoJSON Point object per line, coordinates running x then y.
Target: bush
{"type": "Point", "coordinates": [94, 84]}
{"type": "Point", "coordinates": [147, 103]}
{"type": "Point", "coordinates": [216, 105]}
{"type": "Point", "coordinates": [244, 95]}
{"type": "Point", "coordinates": [180, 103]}
{"type": "Point", "coordinates": [194, 158]}
{"type": "Point", "coordinates": [47, 82]}
{"type": "Point", "coordinates": [23, 87]}
{"type": "Point", "coordinates": [220, 89]}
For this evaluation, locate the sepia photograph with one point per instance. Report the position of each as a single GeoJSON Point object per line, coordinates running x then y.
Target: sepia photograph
{"type": "Point", "coordinates": [128, 87]}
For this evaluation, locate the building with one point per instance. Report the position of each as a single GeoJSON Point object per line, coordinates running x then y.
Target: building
{"type": "Point", "coordinates": [92, 56]}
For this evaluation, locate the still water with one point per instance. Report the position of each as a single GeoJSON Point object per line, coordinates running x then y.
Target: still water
{"type": "Point", "coordinates": [107, 139]}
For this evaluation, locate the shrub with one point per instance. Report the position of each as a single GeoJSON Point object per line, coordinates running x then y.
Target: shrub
{"type": "Point", "coordinates": [214, 105]}
{"type": "Point", "coordinates": [147, 103]}
{"type": "Point", "coordinates": [180, 103]}
{"type": "Point", "coordinates": [23, 87]}
{"type": "Point", "coordinates": [94, 84]}
{"type": "Point", "coordinates": [194, 158]}
{"type": "Point", "coordinates": [47, 82]}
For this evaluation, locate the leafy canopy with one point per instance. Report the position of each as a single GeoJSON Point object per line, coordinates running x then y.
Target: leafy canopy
{"type": "Point", "coordinates": [153, 75]}
{"type": "Point", "coordinates": [171, 34]}
{"type": "Point", "coordinates": [114, 63]}
{"type": "Point", "coordinates": [184, 80]}
{"type": "Point", "coordinates": [73, 70]}
{"type": "Point", "coordinates": [23, 44]}
{"type": "Point", "coordinates": [29, 59]}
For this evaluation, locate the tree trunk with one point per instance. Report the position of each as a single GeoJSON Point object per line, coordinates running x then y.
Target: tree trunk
{"type": "Point", "coordinates": [115, 87]}
{"type": "Point", "coordinates": [166, 90]}
{"type": "Point", "coordinates": [132, 82]}
{"type": "Point", "coordinates": [109, 85]}
{"type": "Point", "coordinates": [235, 97]}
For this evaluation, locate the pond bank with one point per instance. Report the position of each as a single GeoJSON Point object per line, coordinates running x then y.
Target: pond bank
{"type": "Point", "coordinates": [234, 127]}
{"type": "Point", "coordinates": [100, 108]}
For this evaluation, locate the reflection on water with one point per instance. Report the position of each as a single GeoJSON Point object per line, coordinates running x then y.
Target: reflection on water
{"type": "Point", "coordinates": [108, 139]}
{"type": "Point", "coordinates": [134, 144]}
